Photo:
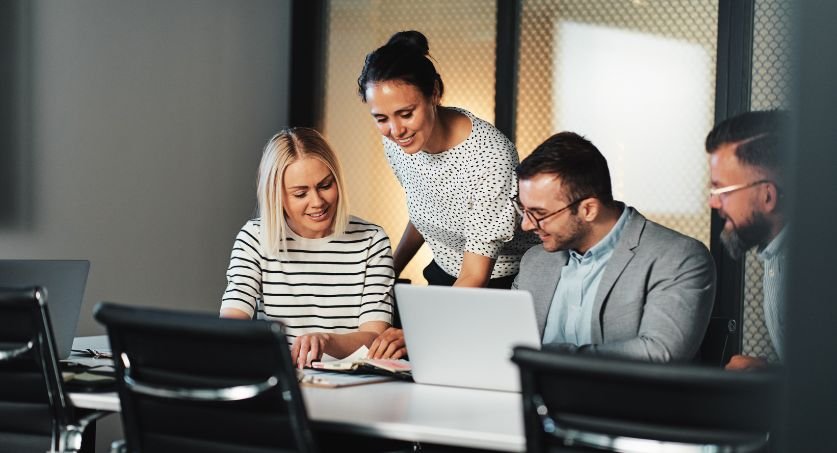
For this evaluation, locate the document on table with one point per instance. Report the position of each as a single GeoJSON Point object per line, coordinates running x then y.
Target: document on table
{"type": "Point", "coordinates": [319, 378]}
{"type": "Point", "coordinates": [331, 372]}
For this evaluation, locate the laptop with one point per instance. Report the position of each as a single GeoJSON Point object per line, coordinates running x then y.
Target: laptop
{"type": "Point", "coordinates": [464, 337]}
{"type": "Point", "coordinates": [64, 281]}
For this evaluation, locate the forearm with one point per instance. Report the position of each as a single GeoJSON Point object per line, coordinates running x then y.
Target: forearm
{"type": "Point", "coordinates": [639, 348]}
{"type": "Point", "coordinates": [234, 313]}
{"type": "Point", "coordinates": [475, 271]}
{"type": "Point", "coordinates": [411, 241]}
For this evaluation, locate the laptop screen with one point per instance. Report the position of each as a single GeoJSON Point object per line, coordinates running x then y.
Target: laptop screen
{"type": "Point", "coordinates": [464, 336]}
{"type": "Point", "coordinates": [64, 281]}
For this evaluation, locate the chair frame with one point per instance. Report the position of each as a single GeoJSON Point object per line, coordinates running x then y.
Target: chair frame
{"type": "Point", "coordinates": [67, 429]}
{"type": "Point", "coordinates": [537, 413]}
{"type": "Point", "coordinates": [129, 384]}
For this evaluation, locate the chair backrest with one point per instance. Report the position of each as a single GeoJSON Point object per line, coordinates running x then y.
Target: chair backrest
{"type": "Point", "coordinates": [575, 400]}
{"type": "Point", "coordinates": [33, 404]}
{"type": "Point", "coordinates": [193, 382]}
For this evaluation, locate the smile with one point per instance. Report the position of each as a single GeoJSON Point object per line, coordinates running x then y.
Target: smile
{"type": "Point", "coordinates": [318, 215]}
{"type": "Point", "coordinates": [405, 141]}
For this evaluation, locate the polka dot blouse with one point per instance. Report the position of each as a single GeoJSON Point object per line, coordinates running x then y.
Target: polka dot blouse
{"type": "Point", "coordinates": [460, 199]}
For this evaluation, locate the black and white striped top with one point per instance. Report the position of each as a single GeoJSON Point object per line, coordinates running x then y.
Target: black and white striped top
{"type": "Point", "coordinates": [331, 284]}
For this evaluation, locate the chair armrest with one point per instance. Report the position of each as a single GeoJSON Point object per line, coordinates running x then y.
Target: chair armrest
{"type": "Point", "coordinates": [118, 446]}
{"type": "Point", "coordinates": [71, 435]}
{"type": "Point", "coordinates": [236, 393]}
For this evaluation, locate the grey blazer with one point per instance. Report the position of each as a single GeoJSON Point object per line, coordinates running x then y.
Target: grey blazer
{"type": "Point", "coordinates": [654, 300]}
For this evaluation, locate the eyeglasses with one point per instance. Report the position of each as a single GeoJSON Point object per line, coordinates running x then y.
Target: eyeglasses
{"type": "Point", "coordinates": [537, 220]}
{"type": "Point", "coordinates": [717, 192]}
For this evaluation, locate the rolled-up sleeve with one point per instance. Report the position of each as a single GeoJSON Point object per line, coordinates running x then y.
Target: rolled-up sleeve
{"type": "Point", "coordinates": [244, 274]}
{"type": "Point", "coordinates": [377, 302]}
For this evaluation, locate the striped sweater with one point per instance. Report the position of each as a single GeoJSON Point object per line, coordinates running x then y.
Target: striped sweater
{"type": "Point", "coordinates": [330, 284]}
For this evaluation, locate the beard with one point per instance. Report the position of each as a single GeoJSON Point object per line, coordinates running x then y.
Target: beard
{"type": "Point", "coordinates": [573, 234]}
{"type": "Point", "coordinates": [740, 238]}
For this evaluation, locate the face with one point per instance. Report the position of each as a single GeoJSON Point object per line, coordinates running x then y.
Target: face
{"type": "Point", "coordinates": [402, 113]}
{"type": "Point", "coordinates": [542, 195]}
{"type": "Point", "coordinates": [310, 197]}
{"type": "Point", "coordinates": [745, 224]}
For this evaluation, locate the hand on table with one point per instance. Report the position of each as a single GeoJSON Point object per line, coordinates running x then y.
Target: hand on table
{"type": "Point", "coordinates": [389, 345]}
{"type": "Point", "coordinates": [745, 363]}
{"type": "Point", "coordinates": [308, 348]}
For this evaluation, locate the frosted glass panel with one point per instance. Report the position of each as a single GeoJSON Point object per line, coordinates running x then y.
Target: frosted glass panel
{"type": "Point", "coordinates": [620, 89]}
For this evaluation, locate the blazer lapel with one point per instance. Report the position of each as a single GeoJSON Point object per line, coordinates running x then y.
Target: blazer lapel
{"type": "Point", "coordinates": [549, 286]}
{"type": "Point", "coordinates": [622, 255]}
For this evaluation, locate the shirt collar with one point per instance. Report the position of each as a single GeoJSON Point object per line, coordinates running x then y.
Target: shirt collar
{"type": "Point", "coordinates": [607, 243]}
{"type": "Point", "coordinates": [775, 247]}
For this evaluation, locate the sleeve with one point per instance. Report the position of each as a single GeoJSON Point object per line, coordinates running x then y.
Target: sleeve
{"type": "Point", "coordinates": [391, 151]}
{"type": "Point", "coordinates": [244, 274]}
{"type": "Point", "coordinates": [681, 292]}
{"type": "Point", "coordinates": [491, 217]}
{"type": "Point", "coordinates": [377, 301]}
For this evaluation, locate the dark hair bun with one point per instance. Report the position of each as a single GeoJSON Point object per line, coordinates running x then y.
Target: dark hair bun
{"type": "Point", "coordinates": [413, 40]}
{"type": "Point", "coordinates": [405, 58]}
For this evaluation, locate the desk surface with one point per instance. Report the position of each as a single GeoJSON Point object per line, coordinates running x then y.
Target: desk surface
{"type": "Point", "coordinates": [397, 410]}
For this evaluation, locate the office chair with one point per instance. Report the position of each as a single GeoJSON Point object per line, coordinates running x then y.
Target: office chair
{"type": "Point", "coordinates": [35, 413]}
{"type": "Point", "coordinates": [191, 382]}
{"type": "Point", "coordinates": [585, 403]}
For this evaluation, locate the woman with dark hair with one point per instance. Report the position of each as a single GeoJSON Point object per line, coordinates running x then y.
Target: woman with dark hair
{"type": "Point", "coordinates": [456, 169]}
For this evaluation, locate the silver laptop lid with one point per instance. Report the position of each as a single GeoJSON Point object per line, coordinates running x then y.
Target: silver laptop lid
{"type": "Point", "coordinates": [464, 336]}
{"type": "Point", "coordinates": [64, 281]}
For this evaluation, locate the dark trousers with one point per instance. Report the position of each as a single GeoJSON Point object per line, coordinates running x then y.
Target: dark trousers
{"type": "Point", "coordinates": [436, 276]}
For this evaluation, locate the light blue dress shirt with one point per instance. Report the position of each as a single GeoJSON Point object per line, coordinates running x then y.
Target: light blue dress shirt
{"type": "Point", "coordinates": [571, 311]}
{"type": "Point", "coordinates": [773, 258]}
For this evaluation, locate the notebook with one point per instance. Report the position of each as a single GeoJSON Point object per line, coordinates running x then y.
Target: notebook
{"type": "Point", "coordinates": [464, 336]}
{"type": "Point", "coordinates": [64, 281]}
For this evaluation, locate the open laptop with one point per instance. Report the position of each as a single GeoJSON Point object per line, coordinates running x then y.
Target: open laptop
{"type": "Point", "coordinates": [64, 281]}
{"type": "Point", "coordinates": [464, 336]}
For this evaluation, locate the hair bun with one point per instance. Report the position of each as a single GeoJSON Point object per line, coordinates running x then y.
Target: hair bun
{"type": "Point", "coordinates": [412, 40]}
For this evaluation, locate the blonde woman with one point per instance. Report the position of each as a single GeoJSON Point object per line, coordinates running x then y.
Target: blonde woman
{"type": "Point", "coordinates": [305, 261]}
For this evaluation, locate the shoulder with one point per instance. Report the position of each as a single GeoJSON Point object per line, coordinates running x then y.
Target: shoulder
{"type": "Point", "coordinates": [252, 227]}
{"type": "Point", "coordinates": [538, 257]}
{"type": "Point", "coordinates": [664, 241]}
{"type": "Point", "coordinates": [358, 225]}
{"type": "Point", "coordinates": [484, 132]}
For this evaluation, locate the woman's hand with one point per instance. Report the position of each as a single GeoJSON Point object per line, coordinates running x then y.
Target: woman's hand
{"type": "Point", "coordinates": [388, 345]}
{"type": "Point", "coordinates": [308, 348]}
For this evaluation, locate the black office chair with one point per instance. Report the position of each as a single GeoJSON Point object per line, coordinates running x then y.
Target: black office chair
{"type": "Point", "coordinates": [191, 382]}
{"type": "Point", "coordinates": [35, 413]}
{"type": "Point", "coordinates": [583, 403]}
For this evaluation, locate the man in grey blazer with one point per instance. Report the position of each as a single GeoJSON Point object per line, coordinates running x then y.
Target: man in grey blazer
{"type": "Point", "coordinates": [606, 280]}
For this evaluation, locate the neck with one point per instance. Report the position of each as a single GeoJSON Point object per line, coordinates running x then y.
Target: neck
{"type": "Point", "coordinates": [775, 228]}
{"type": "Point", "coordinates": [601, 226]}
{"type": "Point", "coordinates": [439, 138]}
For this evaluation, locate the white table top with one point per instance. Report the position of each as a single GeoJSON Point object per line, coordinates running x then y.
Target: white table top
{"type": "Point", "coordinates": [398, 410]}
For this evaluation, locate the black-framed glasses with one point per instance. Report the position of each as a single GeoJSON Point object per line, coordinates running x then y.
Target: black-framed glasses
{"type": "Point", "coordinates": [718, 191]}
{"type": "Point", "coordinates": [537, 220]}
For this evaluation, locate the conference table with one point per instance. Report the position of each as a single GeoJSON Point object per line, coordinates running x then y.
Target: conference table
{"type": "Point", "coordinates": [452, 416]}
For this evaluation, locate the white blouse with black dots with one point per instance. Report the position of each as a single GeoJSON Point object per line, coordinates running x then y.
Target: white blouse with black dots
{"type": "Point", "coordinates": [460, 199]}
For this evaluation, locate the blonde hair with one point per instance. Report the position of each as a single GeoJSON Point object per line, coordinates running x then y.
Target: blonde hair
{"type": "Point", "coordinates": [283, 149]}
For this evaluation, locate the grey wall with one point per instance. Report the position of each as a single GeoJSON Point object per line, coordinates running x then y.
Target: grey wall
{"type": "Point", "coordinates": [147, 122]}
{"type": "Point", "coordinates": [142, 126]}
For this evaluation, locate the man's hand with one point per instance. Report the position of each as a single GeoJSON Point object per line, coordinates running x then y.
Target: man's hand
{"type": "Point", "coordinates": [388, 345]}
{"type": "Point", "coordinates": [308, 348]}
{"type": "Point", "coordinates": [745, 362]}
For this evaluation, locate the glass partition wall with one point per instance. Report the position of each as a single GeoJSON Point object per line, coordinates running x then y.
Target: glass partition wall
{"type": "Point", "coordinates": [636, 77]}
